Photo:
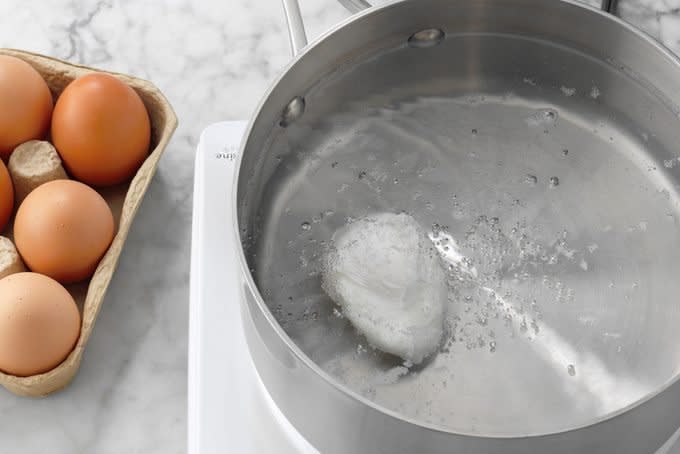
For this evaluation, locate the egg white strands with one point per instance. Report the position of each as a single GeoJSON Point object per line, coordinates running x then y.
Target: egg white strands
{"type": "Point", "coordinates": [386, 275]}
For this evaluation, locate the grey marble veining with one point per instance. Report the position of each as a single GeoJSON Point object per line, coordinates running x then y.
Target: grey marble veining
{"type": "Point", "coordinates": [214, 60]}
{"type": "Point", "coordinates": [659, 18]}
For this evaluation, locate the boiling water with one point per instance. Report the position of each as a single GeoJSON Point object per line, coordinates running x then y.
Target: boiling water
{"type": "Point", "coordinates": [553, 280]}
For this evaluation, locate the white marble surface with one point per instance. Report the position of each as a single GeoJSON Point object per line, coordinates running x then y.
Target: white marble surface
{"type": "Point", "coordinates": [213, 59]}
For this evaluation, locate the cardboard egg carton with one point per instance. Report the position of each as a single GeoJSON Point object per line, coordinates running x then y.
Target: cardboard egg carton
{"type": "Point", "coordinates": [124, 200]}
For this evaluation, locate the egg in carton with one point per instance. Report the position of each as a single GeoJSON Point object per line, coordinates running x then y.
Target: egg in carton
{"type": "Point", "coordinates": [124, 200]}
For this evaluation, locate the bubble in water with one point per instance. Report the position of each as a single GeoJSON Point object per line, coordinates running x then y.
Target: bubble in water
{"type": "Point", "coordinates": [568, 91]}
{"type": "Point", "coordinates": [492, 346]}
{"type": "Point", "coordinates": [531, 180]}
{"type": "Point", "coordinates": [571, 370]}
{"type": "Point", "coordinates": [543, 117]}
{"type": "Point", "coordinates": [535, 327]}
{"type": "Point", "coordinates": [664, 193]}
{"type": "Point", "coordinates": [306, 226]}
{"type": "Point", "coordinates": [565, 152]}
{"type": "Point", "coordinates": [474, 132]}
{"type": "Point", "coordinates": [369, 392]}
{"type": "Point", "coordinates": [554, 182]}
{"type": "Point", "coordinates": [437, 230]}
{"type": "Point", "coordinates": [523, 328]}
{"type": "Point", "coordinates": [396, 181]}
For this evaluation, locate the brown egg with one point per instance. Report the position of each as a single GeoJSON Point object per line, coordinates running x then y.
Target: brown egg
{"type": "Point", "coordinates": [39, 324]}
{"type": "Point", "coordinates": [62, 229]}
{"type": "Point", "coordinates": [25, 104]}
{"type": "Point", "coordinates": [101, 129]}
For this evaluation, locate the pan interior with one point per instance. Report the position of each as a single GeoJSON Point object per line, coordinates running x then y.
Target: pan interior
{"type": "Point", "coordinates": [553, 173]}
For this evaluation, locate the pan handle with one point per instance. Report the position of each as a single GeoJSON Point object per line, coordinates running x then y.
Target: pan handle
{"type": "Point", "coordinates": [609, 6]}
{"type": "Point", "coordinates": [296, 28]}
{"type": "Point", "coordinates": [358, 5]}
{"type": "Point", "coordinates": [355, 6]}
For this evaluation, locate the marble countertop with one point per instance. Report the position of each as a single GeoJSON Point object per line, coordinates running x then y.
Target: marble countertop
{"type": "Point", "coordinates": [213, 60]}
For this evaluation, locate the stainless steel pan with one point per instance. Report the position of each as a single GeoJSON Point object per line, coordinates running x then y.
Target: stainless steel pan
{"type": "Point", "coordinates": [536, 139]}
